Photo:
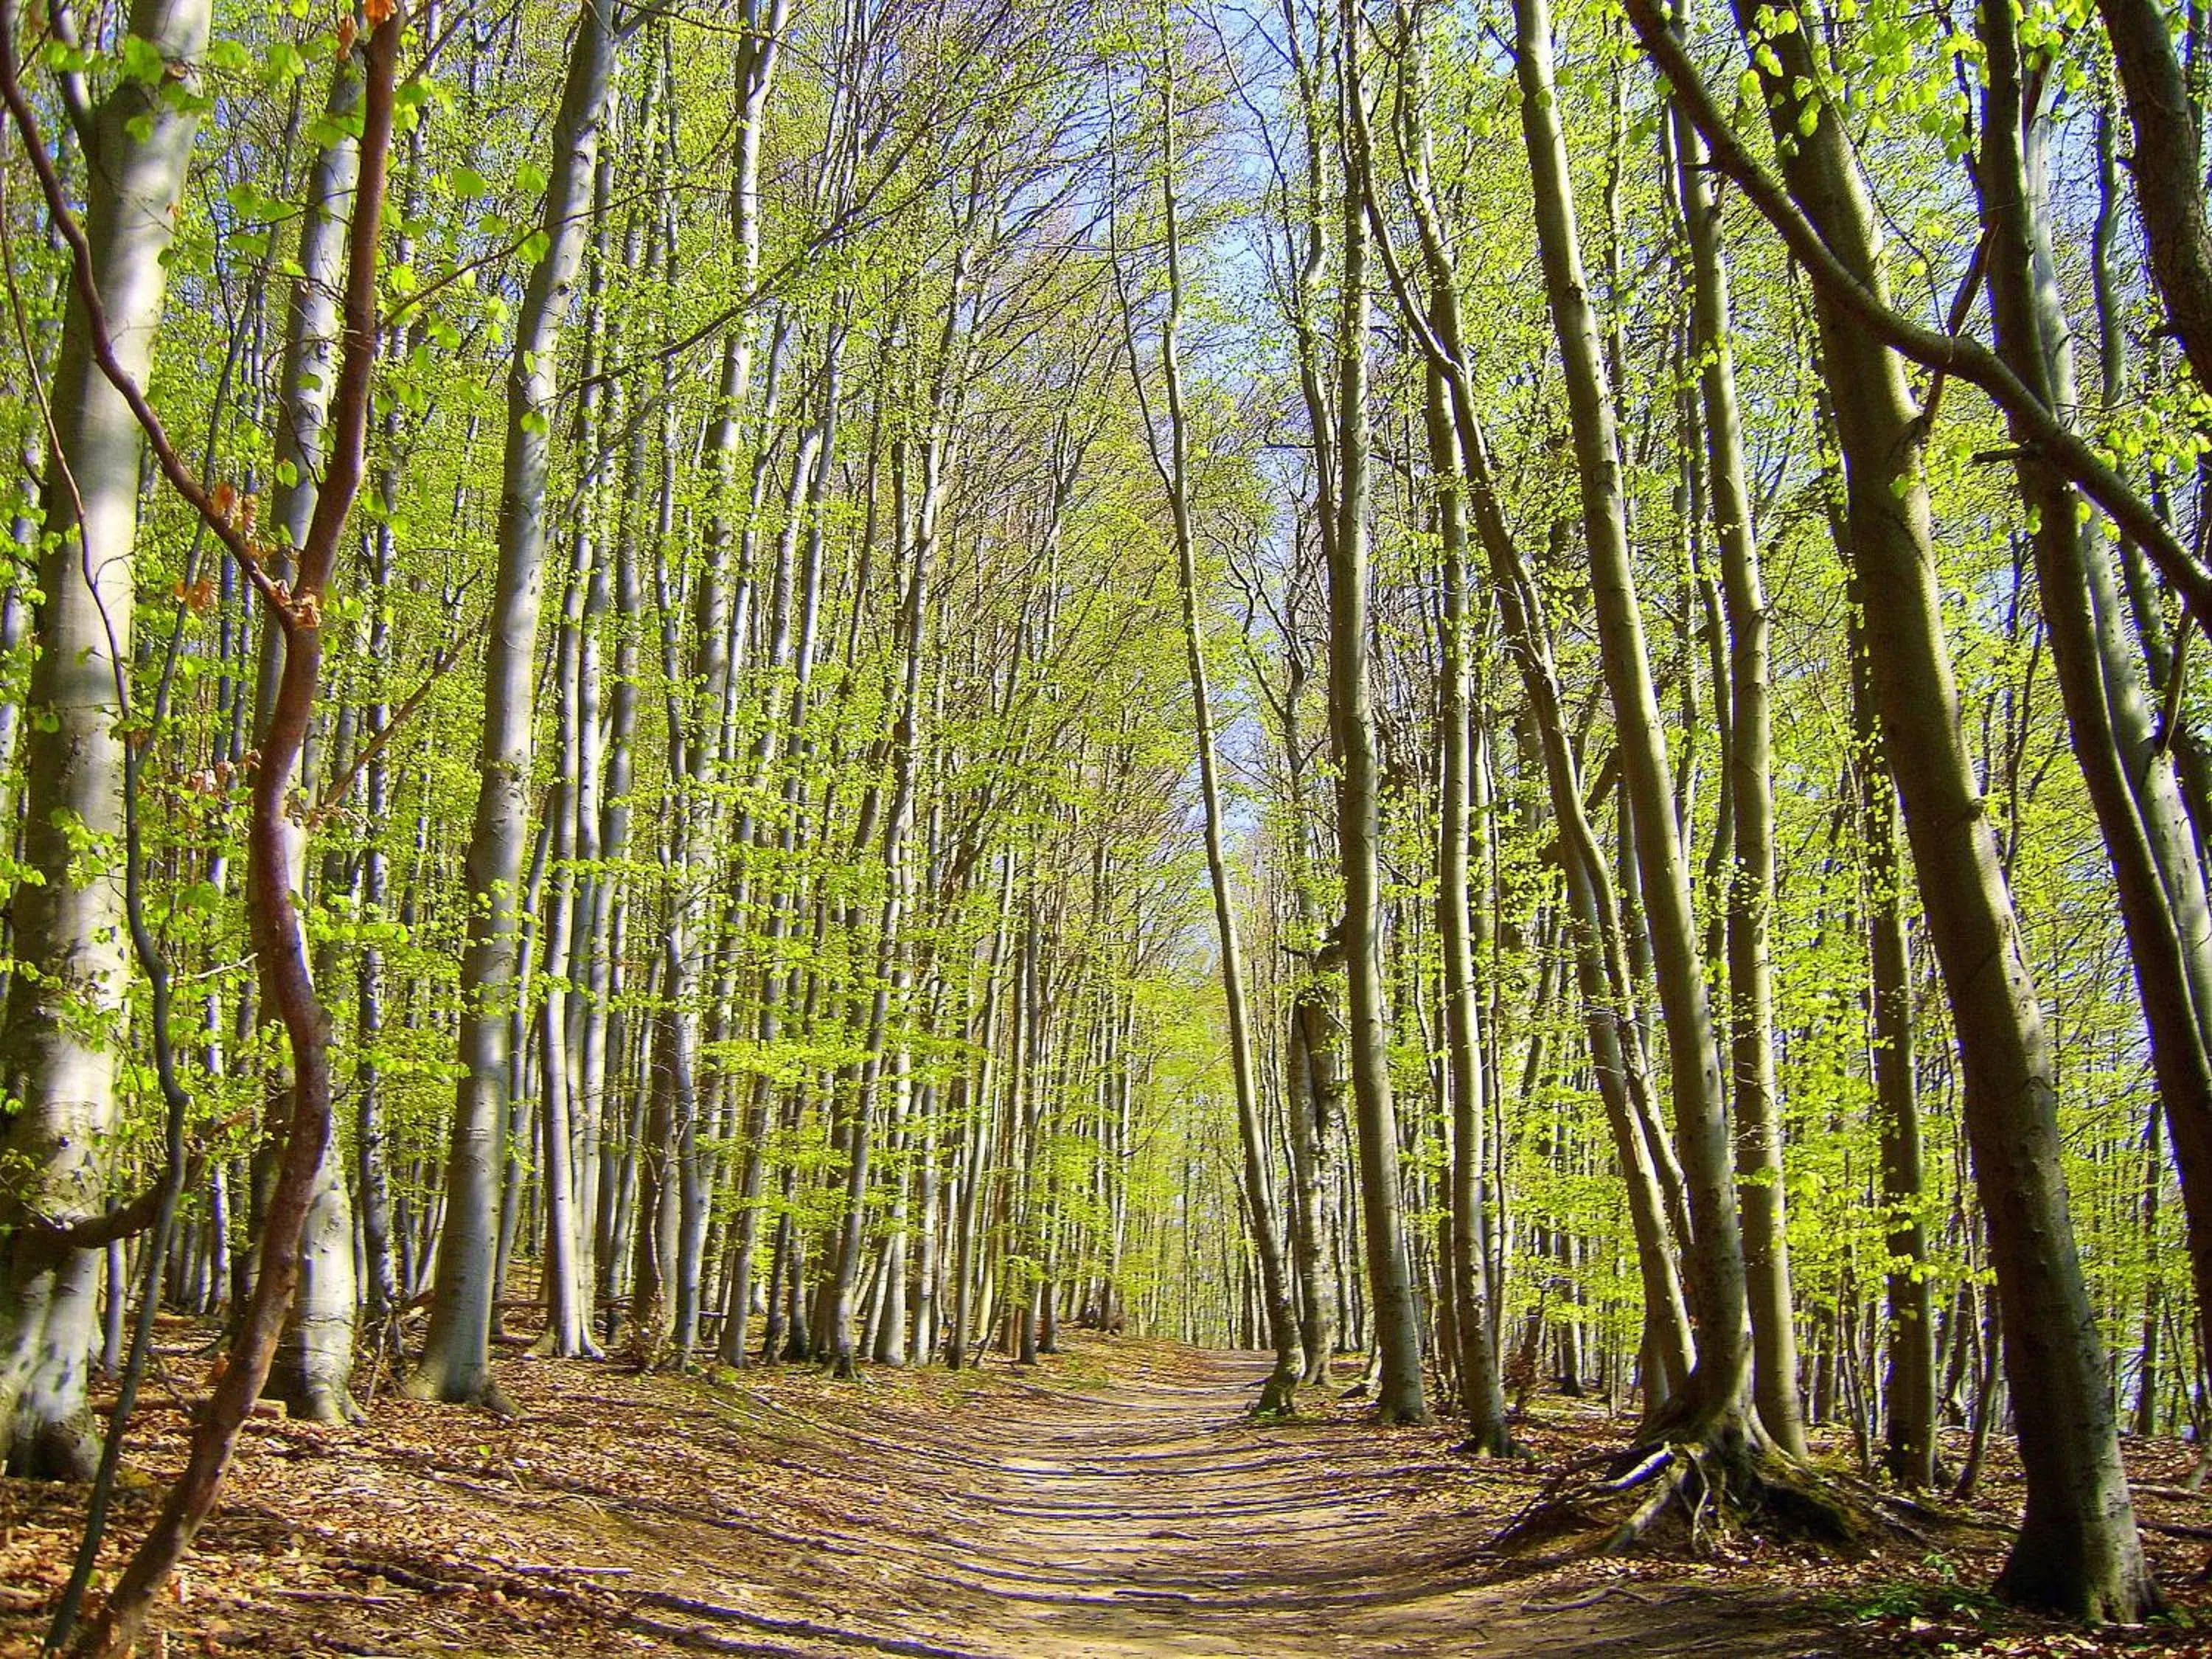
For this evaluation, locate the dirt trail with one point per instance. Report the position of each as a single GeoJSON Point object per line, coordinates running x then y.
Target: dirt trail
{"type": "Point", "coordinates": [1150, 1515]}
{"type": "Point", "coordinates": [1118, 1502]}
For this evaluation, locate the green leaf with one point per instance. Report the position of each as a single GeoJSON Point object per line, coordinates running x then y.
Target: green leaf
{"type": "Point", "coordinates": [143, 61]}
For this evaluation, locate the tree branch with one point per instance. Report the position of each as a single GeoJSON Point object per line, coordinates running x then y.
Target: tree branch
{"type": "Point", "coordinates": [1955, 355]}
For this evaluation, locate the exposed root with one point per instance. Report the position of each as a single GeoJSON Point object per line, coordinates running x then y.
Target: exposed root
{"type": "Point", "coordinates": [484, 1393]}
{"type": "Point", "coordinates": [1684, 1494]}
{"type": "Point", "coordinates": [1279, 1395]}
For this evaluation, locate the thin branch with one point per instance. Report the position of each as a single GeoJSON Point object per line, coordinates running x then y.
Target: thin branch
{"type": "Point", "coordinates": [1951, 354]}
{"type": "Point", "coordinates": [333, 796]}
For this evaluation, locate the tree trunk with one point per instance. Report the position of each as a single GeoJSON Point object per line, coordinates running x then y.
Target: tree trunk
{"type": "Point", "coordinates": [1279, 1393]}
{"type": "Point", "coordinates": [313, 1372]}
{"type": "Point", "coordinates": [2078, 1551]}
{"type": "Point", "coordinates": [276, 928]}
{"type": "Point", "coordinates": [1750, 796]}
{"type": "Point", "coordinates": [2169, 172]}
{"type": "Point", "coordinates": [1711, 1405]}
{"type": "Point", "coordinates": [1395, 1318]}
{"type": "Point", "coordinates": [65, 1002]}
{"type": "Point", "coordinates": [456, 1363]}
{"type": "Point", "coordinates": [1482, 1393]}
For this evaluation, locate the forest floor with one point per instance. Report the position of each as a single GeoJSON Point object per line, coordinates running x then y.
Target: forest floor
{"type": "Point", "coordinates": [1115, 1501]}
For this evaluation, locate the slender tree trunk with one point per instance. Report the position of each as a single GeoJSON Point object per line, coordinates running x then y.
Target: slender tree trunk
{"type": "Point", "coordinates": [1279, 1393]}
{"type": "Point", "coordinates": [1750, 795]}
{"type": "Point", "coordinates": [1482, 1392]}
{"type": "Point", "coordinates": [313, 1372]}
{"type": "Point", "coordinates": [456, 1363]}
{"type": "Point", "coordinates": [1711, 1403]}
{"type": "Point", "coordinates": [569, 815]}
{"type": "Point", "coordinates": [1395, 1317]}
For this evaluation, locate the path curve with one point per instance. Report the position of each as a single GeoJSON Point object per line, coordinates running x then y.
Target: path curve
{"type": "Point", "coordinates": [1150, 1515]}
{"type": "Point", "coordinates": [1116, 1502]}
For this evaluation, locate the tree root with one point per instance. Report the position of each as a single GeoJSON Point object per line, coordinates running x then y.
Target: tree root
{"type": "Point", "coordinates": [1279, 1396]}
{"type": "Point", "coordinates": [1684, 1494]}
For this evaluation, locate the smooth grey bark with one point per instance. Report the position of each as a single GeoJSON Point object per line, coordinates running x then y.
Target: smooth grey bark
{"type": "Point", "coordinates": [1750, 802]}
{"type": "Point", "coordinates": [975, 1089]}
{"type": "Point", "coordinates": [382, 1286]}
{"type": "Point", "coordinates": [2078, 1549]}
{"type": "Point", "coordinates": [615, 600]}
{"type": "Point", "coordinates": [59, 1041]}
{"type": "Point", "coordinates": [1711, 1403]}
{"type": "Point", "coordinates": [1400, 1396]}
{"type": "Point", "coordinates": [456, 1363]}
{"type": "Point", "coordinates": [570, 813]}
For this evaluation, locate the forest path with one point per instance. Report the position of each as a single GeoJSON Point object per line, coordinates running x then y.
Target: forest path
{"type": "Point", "coordinates": [1116, 1501]}
{"type": "Point", "coordinates": [1150, 1514]}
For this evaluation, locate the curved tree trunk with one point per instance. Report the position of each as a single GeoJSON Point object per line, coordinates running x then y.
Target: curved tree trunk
{"type": "Point", "coordinates": [1712, 1405]}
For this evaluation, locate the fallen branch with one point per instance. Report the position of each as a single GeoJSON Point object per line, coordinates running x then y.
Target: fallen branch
{"type": "Point", "coordinates": [1650, 1467]}
{"type": "Point", "coordinates": [1589, 1601]}
{"type": "Point", "coordinates": [1675, 1472]}
{"type": "Point", "coordinates": [2173, 1529]}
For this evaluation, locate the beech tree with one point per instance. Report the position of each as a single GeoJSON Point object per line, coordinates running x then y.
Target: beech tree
{"type": "Point", "coordinates": [1480, 695]}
